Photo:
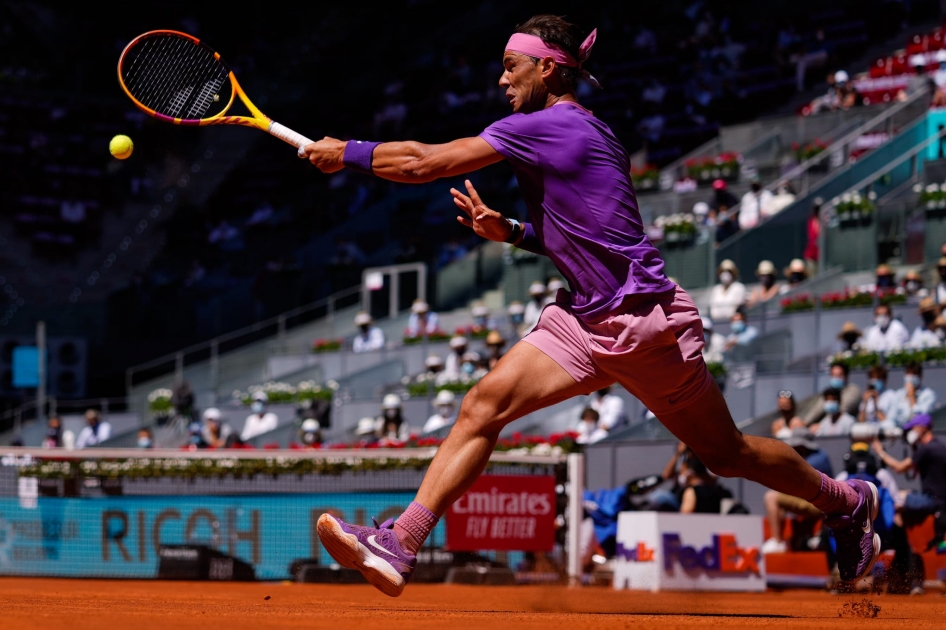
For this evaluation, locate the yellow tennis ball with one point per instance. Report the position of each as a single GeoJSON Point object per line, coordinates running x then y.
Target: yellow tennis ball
{"type": "Point", "coordinates": [121, 147]}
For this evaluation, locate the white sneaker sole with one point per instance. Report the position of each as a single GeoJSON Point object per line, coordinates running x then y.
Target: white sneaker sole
{"type": "Point", "coordinates": [351, 554]}
{"type": "Point", "coordinates": [875, 507]}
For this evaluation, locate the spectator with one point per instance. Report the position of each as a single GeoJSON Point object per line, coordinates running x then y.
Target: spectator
{"type": "Point", "coordinates": [887, 333]}
{"type": "Point", "coordinates": [517, 316]}
{"type": "Point", "coordinates": [458, 346]}
{"type": "Point", "coordinates": [589, 427]}
{"type": "Point", "coordinates": [929, 462]}
{"type": "Point", "coordinates": [366, 433]}
{"type": "Point", "coordinates": [722, 198]}
{"type": "Point", "coordinates": [726, 223]}
{"type": "Point", "coordinates": [728, 295]}
{"type": "Point", "coordinates": [391, 425]}
{"type": "Point", "coordinates": [703, 494]}
{"type": "Point", "coordinates": [481, 319]}
{"type": "Point", "coordinates": [195, 437]}
{"type": "Point", "coordinates": [145, 438]}
{"type": "Point", "coordinates": [788, 414]}
{"type": "Point", "coordinates": [850, 394]}
{"type": "Point", "coordinates": [310, 434]}
{"type": "Point", "coordinates": [754, 207]}
{"type": "Point", "coordinates": [215, 432]}
{"type": "Point", "coordinates": [939, 292]}
{"type": "Point", "coordinates": [778, 505]}
{"type": "Point", "coordinates": [422, 320]}
{"type": "Point", "coordinates": [813, 235]}
{"type": "Point", "coordinates": [913, 398]}
{"type": "Point", "coordinates": [768, 288]}
{"type": "Point", "coordinates": [534, 306]}
{"type": "Point", "coordinates": [886, 281]}
{"type": "Point", "coordinates": [849, 338]}
{"type": "Point", "coordinates": [369, 337]}
{"type": "Point", "coordinates": [610, 408]}
{"type": "Point", "coordinates": [741, 333]}
{"type": "Point", "coordinates": [494, 346]}
{"type": "Point", "coordinates": [913, 284]}
{"type": "Point", "coordinates": [471, 365]}
{"type": "Point", "coordinates": [714, 344]}
{"type": "Point", "coordinates": [783, 198]}
{"type": "Point", "coordinates": [445, 402]}
{"type": "Point", "coordinates": [318, 409]}
{"type": "Point", "coordinates": [182, 399]}
{"type": "Point", "coordinates": [878, 400]}
{"type": "Point", "coordinates": [95, 432]}
{"type": "Point", "coordinates": [796, 272]}
{"type": "Point", "coordinates": [58, 437]}
{"type": "Point", "coordinates": [260, 421]}
{"type": "Point", "coordinates": [434, 366]}
{"type": "Point", "coordinates": [919, 81]}
{"type": "Point", "coordinates": [925, 334]}
{"type": "Point", "coordinates": [835, 421]}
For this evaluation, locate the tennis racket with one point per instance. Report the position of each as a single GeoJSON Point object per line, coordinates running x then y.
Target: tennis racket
{"type": "Point", "coordinates": [181, 80]}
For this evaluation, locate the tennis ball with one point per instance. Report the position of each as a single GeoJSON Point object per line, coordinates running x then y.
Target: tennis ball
{"type": "Point", "coordinates": [121, 147]}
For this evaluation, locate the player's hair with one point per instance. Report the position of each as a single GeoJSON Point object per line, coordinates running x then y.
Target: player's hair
{"type": "Point", "coordinates": [555, 30]}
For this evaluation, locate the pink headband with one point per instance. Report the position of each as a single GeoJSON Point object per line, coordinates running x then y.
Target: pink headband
{"type": "Point", "coordinates": [533, 46]}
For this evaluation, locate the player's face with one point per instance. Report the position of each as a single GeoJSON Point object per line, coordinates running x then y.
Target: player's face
{"type": "Point", "coordinates": [522, 80]}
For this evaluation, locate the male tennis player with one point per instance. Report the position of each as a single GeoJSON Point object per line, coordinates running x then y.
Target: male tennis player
{"type": "Point", "coordinates": [623, 320]}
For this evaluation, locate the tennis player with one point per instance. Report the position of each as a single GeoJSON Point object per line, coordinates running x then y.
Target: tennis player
{"type": "Point", "coordinates": [622, 321]}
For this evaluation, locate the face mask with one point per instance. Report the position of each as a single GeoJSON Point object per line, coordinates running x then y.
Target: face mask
{"type": "Point", "coordinates": [912, 379]}
{"type": "Point", "coordinates": [878, 384]}
{"type": "Point", "coordinates": [445, 411]}
{"type": "Point", "coordinates": [726, 277]}
{"type": "Point", "coordinates": [885, 281]}
{"type": "Point", "coordinates": [882, 320]}
{"type": "Point", "coordinates": [913, 286]}
{"type": "Point", "coordinates": [479, 321]}
{"type": "Point", "coordinates": [516, 319]}
{"type": "Point", "coordinates": [468, 368]}
{"type": "Point", "coordinates": [144, 442]}
{"type": "Point", "coordinates": [308, 438]}
{"type": "Point", "coordinates": [929, 317]}
{"type": "Point", "coordinates": [796, 277]}
{"type": "Point", "coordinates": [195, 439]}
{"type": "Point", "coordinates": [836, 383]}
{"type": "Point", "coordinates": [390, 414]}
{"type": "Point", "coordinates": [912, 436]}
{"type": "Point", "coordinates": [850, 339]}
{"type": "Point", "coordinates": [767, 281]}
{"type": "Point", "coordinates": [831, 407]}
{"type": "Point", "coordinates": [257, 407]}
{"type": "Point", "coordinates": [738, 327]}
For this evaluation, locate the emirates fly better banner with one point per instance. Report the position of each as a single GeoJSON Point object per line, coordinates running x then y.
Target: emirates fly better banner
{"type": "Point", "coordinates": [504, 513]}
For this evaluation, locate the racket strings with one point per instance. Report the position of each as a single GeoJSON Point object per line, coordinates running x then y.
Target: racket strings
{"type": "Point", "coordinates": [174, 76]}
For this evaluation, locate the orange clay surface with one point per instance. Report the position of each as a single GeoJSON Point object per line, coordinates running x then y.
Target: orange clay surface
{"type": "Point", "coordinates": [141, 605]}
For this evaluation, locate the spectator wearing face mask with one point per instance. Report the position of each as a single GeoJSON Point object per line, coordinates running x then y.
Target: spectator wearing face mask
{"type": "Point", "coordinates": [610, 408]}
{"type": "Point", "coordinates": [796, 273]}
{"type": "Point", "coordinates": [517, 316]}
{"type": "Point", "coordinates": [57, 436]}
{"type": "Point", "coordinates": [145, 439]}
{"type": "Point", "coordinates": [215, 432]}
{"type": "Point", "coordinates": [939, 291]}
{"type": "Point", "coordinates": [422, 320]}
{"type": "Point", "coordinates": [788, 415]}
{"type": "Point", "coordinates": [470, 365]}
{"type": "Point", "coordinates": [434, 366]}
{"type": "Point", "coordinates": [849, 338]}
{"type": "Point", "coordinates": [534, 306]}
{"type": "Point", "coordinates": [726, 224]}
{"type": "Point", "coordinates": [912, 285]}
{"type": "Point", "coordinates": [589, 427]}
{"type": "Point", "coordinates": [768, 288]}
{"type": "Point", "coordinates": [925, 335]}
{"type": "Point", "coordinates": [722, 197]}
{"type": "Point", "coordinates": [887, 333]}
{"type": "Point", "coordinates": [850, 394]}
{"type": "Point", "coordinates": [714, 344]}
{"type": "Point", "coordinates": [728, 295]}
{"type": "Point", "coordinates": [740, 332]}
{"type": "Point", "coordinates": [878, 400]}
{"type": "Point", "coordinates": [552, 289]}
{"type": "Point", "coordinates": [260, 421]}
{"type": "Point", "coordinates": [195, 437]}
{"type": "Point", "coordinates": [885, 280]}
{"type": "Point", "coordinates": [494, 347]}
{"type": "Point", "coordinates": [451, 366]}
{"type": "Point", "coordinates": [481, 318]}
{"type": "Point", "coordinates": [369, 337]}
{"type": "Point", "coordinates": [754, 206]}
{"type": "Point", "coordinates": [95, 432]}
{"type": "Point", "coordinates": [928, 460]}
{"type": "Point", "coordinates": [391, 424]}
{"type": "Point", "coordinates": [835, 420]}
{"type": "Point", "coordinates": [445, 403]}
{"type": "Point", "coordinates": [310, 434]}
{"type": "Point", "coordinates": [913, 398]}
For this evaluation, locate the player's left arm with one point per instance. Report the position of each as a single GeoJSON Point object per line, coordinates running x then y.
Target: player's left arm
{"type": "Point", "coordinates": [408, 162]}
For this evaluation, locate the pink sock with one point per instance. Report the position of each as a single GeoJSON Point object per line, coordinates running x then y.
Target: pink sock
{"type": "Point", "coordinates": [835, 497]}
{"type": "Point", "coordinates": [414, 526]}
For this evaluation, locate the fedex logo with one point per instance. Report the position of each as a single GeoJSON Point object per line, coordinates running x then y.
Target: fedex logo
{"type": "Point", "coordinates": [723, 556]}
{"type": "Point", "coordinates": [640, 553]}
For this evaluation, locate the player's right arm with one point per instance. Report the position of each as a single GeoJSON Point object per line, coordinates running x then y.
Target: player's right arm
{"type": "Point", "coordinates": [409, 162]}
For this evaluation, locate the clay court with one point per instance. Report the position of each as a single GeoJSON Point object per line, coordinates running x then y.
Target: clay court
{"type": "Point", "coordinates": [53, 603]}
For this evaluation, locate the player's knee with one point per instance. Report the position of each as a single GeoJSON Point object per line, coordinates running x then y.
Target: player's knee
{"type": "Point", "coordinates": [478, 411]}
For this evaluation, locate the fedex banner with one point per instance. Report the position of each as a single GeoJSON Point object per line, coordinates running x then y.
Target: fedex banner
{"type": "Point", "coordinates": [708, 552]}
{"type": "Point", "coordinates": [504, 513]}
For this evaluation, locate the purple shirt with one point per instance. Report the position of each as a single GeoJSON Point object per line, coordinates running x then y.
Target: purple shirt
{"type": "Point", "coordinates": [575, 178]}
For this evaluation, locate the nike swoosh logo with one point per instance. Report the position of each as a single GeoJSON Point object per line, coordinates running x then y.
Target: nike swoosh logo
{"type": "Point", "coordinates": [374, 543]}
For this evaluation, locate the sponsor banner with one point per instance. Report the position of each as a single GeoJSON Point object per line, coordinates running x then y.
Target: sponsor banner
{"type": "Point", "coordinates": [658, 551]}
{"type": "Point", "coordinates": [120, 536]}
{"type": "Point", "coordinates": [504, 513]}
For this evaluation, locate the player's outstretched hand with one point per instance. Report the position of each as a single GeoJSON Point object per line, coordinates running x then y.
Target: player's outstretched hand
{"type": "Point", "coordinates": [484, 221]}
{"type": "Point", "coordinates": [326, 154]}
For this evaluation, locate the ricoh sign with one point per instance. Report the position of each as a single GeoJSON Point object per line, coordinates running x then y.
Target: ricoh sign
{"type": "Point", "coordinates": [504, 513]}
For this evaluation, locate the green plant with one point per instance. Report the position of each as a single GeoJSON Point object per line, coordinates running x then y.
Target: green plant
{"type": "Point", "coordinates": [326, 345]}
{"type": "Point", "coordinates": [645, 177]}
{"type": "Point", "coordinates": [717, 370]}
{"type": "Point", "coordinates": [159, 401]}
{"type": "Point", "coordinates": [854, 203]}
{"type": "Point", "coordinates": [931, 195]}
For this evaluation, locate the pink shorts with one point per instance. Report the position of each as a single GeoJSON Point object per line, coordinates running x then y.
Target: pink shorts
{"type": "Point", "coordinates": [652, 345]}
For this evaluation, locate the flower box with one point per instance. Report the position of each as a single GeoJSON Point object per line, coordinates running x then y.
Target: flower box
{"type": "Point", "coordinates": [326, 345]}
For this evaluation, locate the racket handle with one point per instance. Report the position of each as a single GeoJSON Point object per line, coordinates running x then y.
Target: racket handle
{"type": "Point", "coordinates": [288, 135]}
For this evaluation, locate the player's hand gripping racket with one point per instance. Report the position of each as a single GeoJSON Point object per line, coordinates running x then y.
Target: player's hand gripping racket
{"type": "Point", "coordinates": [181, 80]}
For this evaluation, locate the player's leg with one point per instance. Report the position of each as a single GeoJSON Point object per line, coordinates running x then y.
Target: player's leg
{"type": "Point", "coordinates": [524, 380]}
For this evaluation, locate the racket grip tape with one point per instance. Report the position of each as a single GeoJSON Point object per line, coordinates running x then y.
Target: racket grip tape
{"type": "Point", "coordinates": [288, 135]}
